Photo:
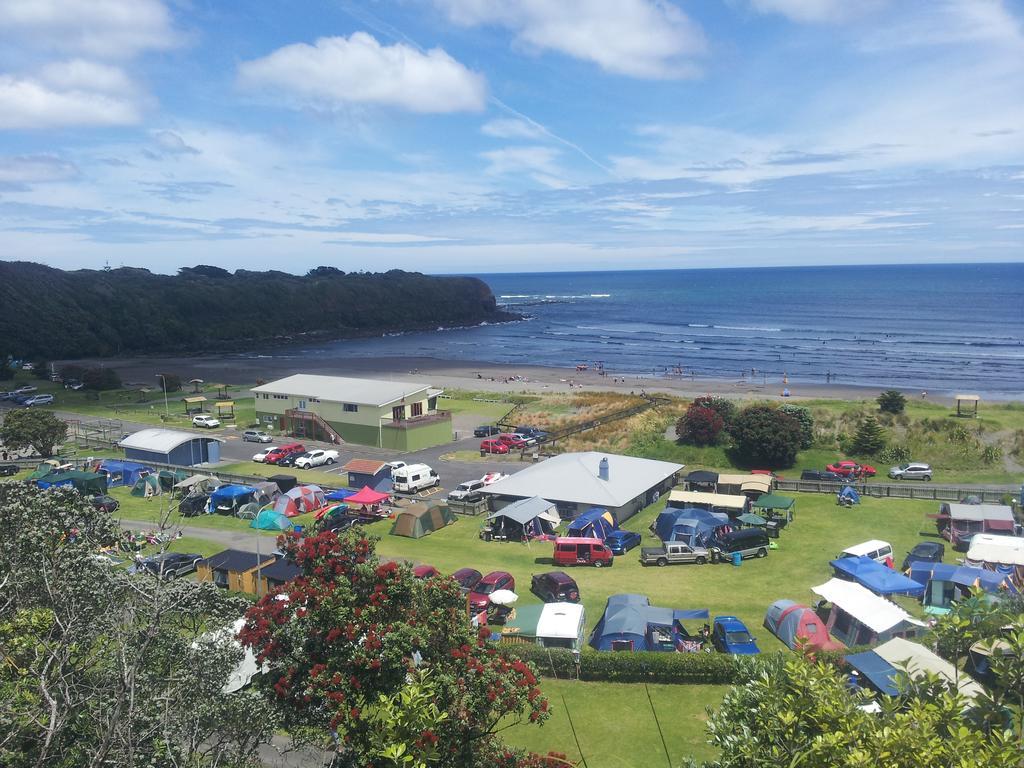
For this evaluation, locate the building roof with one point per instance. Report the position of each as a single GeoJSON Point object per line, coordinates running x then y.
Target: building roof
{"type": "Point", "coordinates": [339, 389]}
{"type": "Point", "coordinates": [874, 612]}
{"type": "Point", "coordinates": [573, 477]}
{"type": "Point", "coordinates": [236, 560]}
{"type": "Point", "coordinates": [918, 660]}
{"type": "Point", "coordinates": [981, 512]}
{"type": "Point", "coordinates": [281, 570]}
{"type": "Point", "coordinates": [364, 466]}
{"type": "Point", "coordinates": [1000, 550]}
{"type": "Point", "coordinates": [161, 440]}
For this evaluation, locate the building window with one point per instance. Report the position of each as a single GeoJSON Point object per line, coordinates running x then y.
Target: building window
{"type": "Point", "coordinates": [398, 412]}
{"type": "Point", "coordinates": [220, 578]}
{"type": "Point", "coordinates": [314, 400]}
{"type": "Point", "coordinates": [350, 408]}
{"type": "Point", "coordinates": [417, 409]}
{"type": "Point", "coordinates": [280, 397]}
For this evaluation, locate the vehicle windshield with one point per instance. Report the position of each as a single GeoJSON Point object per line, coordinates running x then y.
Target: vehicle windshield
{"type": "Point", "coordinates": [904, 466]}
{"type": "Point", "coordinates": [486, 589]}
{"type": "Point", "coordinates": [739, 637]}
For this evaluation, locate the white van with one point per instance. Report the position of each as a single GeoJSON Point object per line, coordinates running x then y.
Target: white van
{"type": "Point", "coordinates": [413, 477]}
{"type": "Point", "coordinates": [877, 550]}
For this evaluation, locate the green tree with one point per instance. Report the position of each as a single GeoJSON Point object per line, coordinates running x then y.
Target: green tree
{"type": "Point", "coordinates": [869, 440]}
{"type": "Point", "coordinates": [891, 401]}
{"type": "Point", "coordinates": [101, 378]}
{"type": "Point", "coordinates": [398, 723]}
{"type": "Point", "coordinates": [102, 667]}
{"type": "Point", "coordinates": [805, 418]}
{"type": "Point", "coordinates": [34, 428]}
{"type": "Point", "coordinates": [765, 435]}
{"type": "Point", "coordinates": [6, 371]}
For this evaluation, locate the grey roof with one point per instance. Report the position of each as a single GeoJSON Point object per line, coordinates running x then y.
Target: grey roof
{"type": "Point", "coordinates": [524, 510]}
{"type": "Point", "coordinates": [979, 512]}
{"type": "Point", "coordinates": [161, 440]}
{"type": "Point", "coordinates": [338, 389]}
{"type": "Point", "coordinates": [573, 477]}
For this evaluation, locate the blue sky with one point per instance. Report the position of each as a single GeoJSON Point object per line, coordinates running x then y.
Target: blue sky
{"type": "Point", "coordinates": [510, 135]}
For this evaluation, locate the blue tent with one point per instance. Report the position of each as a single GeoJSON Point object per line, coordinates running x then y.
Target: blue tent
{"type": "Point", "coordinates": [595, 523]}
{"type": "Point", "coordinates": [269, 520]}
{"type": "Point", "coordinates": [630, 622]}
{"type": "Point", "coordinates": [692, 526]}
{"type": "Point", "coordinates": [849, 492]}
{"type": "Point", "coordinates": [340, 495]}
{"type": "Point", "coordinates": [122, 472]}
{"type": "Point", "coordinates": [879, 578]}
{"type": "Point", "coordinates": [876, 670]}
{"type": "Point", "coordinates": [228, 498]}
{"type": "Point", "coordinates": [945, 584]}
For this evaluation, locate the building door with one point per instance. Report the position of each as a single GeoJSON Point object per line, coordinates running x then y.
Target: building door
{"type": "Point", "coordinates": [398, 412]}
{"type": "Point", "coordinates": [302, 405]}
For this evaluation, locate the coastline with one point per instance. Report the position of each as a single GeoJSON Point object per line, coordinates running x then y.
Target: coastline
{"type": "Point", "coordinates": [483, 377]}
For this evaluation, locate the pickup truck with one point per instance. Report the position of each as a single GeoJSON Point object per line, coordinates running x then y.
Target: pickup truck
{"type": "Point", "coordinates": [673, 553]}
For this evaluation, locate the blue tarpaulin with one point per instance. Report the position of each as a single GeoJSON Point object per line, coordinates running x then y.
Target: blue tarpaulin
{"type": "Point", "coordinates": [849, 492]}
{"type": "Point", "coordinates": [961, 575]}
{"type": "Point", "coordinates": [340, 495]}
{"type": "Point", "coordinates": [874, 576]}
{"type": "Point", "coordinates": [879, 672]}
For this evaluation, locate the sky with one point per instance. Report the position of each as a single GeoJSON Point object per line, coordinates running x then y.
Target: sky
{"type": "Point", "coordinates": [476, 136]}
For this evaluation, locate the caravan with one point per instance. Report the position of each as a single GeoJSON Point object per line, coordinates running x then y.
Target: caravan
{"type": "Point", "coordinates": [413, 478]}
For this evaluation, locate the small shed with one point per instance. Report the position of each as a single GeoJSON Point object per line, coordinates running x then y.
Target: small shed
{"type": "Point", "coordinates": [419, 520]}
{"type": "Point", "coordinates": [170, 446]}
{"type": "Point", "coordinates": [967, 405]}
{"type": "Point", "coordinates": [233, 569]}
{"type": "Point", "coordinates": [368, 472]}
{"type": "Point", "coordinates": [277, 575]}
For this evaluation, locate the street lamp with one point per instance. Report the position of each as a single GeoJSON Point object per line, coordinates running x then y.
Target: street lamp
{"type": "Point", "coordinates": [163, 382]}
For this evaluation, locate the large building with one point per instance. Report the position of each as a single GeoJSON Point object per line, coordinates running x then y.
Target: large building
{"type": "Point", "coordinates": [400, 415]}
{"type": "Point", "coordinates": [575, 482]}
{"type": "Point", "coordinates": [170, 446]}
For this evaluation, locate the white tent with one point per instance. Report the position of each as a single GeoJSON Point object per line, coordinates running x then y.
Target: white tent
{"type": "Point", "coordinates": [996, 550]}
{"type": "Point", "coordinates": [882, 617]}
{"type": "Point", "coordinates": [918, 660]}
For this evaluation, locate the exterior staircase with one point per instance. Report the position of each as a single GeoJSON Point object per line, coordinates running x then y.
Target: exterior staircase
{"type": "Point", "coordinates": [309, 425]}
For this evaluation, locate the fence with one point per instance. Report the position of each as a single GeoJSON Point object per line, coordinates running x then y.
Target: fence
{"type": "Point", "coordinates": [928, 491]}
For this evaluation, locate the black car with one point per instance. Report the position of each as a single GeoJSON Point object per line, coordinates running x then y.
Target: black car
{"type": "Point", "coordinates": [487, 430]}
{"type": "Point", "coordinates": [555, 587]}
{"type": "Point", "coordinates": [194, 505]}
{"type": "Point", "coordinates": [820, 474]}
{"type": "Point", "coordinates": [926, 551]}
{"type": "Point", "coordinates": [171, 565]}
{"type": "Point", "coordinates": [107, 503]}
{"type": "Point", "coordinates": [7, 470]}
{"type": "Point", "coordinates": [532, 433]}
{"type": "Point", "coordinates": [291, 458]}
{"type": "Point", "coordinates": [337, 524]}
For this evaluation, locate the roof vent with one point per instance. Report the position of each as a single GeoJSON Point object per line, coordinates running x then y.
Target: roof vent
{"type": "Point", "coordinates": [602, 468]}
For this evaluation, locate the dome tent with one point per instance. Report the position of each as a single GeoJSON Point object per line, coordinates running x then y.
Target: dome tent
{"type": "Point", "coordinates": [269, 520]}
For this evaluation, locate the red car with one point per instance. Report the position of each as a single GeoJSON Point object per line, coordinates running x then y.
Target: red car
{"type": "Point", "coordinates": [513, 441]}
{"type": "Point", "coordinates": [425, 572]}
{"type": "Point", "coordinates": [285, 450]}
{"type": "Point", "coordinates": [467, 578]}
{"type": "Point", "coordinates": [493, 445]}
{"type": "Point", "coordinates": [480, 596]}
{"type": "Point", "coordinates": [848, 468]}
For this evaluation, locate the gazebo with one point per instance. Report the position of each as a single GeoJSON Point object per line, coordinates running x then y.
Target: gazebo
{"type": "Point", "coordinates": [193, 404]}
{"type": "Point", "coordinates": [963, 405]}
{"type": "Point", "coordinates": [226, 405]}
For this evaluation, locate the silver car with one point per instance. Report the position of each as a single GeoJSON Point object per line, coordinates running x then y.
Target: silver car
{"type": "Point", "coordinates": [912, 471]}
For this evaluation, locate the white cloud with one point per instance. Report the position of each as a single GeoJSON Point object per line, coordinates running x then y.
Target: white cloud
{"type": "Point", "coordinates": [99, 28]}
{"type": "Point", "coordinates": [815, 11]}
{"type": "Point", "coordinates": [944, 22]}
{"type": "Point", "coordinates": [511, 128]}
{"type": "Point", "coordinates": [539, 163]}
{"type": "Point", "coordinates": [171, 143]}
{"type": "Point", "coordinates": [29, 103]}
{"type": "Point", "coordinates": [23, 169]}
{"type": "Point", "coordinates": [638, 38]}
{"type": "Point", "coordinates": [82, 75]}
{"type": "Point", "coordinates": [339, 71]}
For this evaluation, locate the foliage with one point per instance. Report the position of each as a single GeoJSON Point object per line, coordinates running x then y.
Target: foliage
{"type": "Point", "coordinates": [766, 436]}
{"type": "Point", "coordinates": [6, 371]}
{"type": "Point", "coordinates": [891, 401]}
{"type": "Point", "coordinates": [398, 723]}
{"type": "Point", "coordinates": [31, 427]}
{"type": "Point", "coordinates": [723, 406]}
{"type": "Point", "coordinates": [353, 629]}
{"type": "Point", "coordinates": [101, 378]}
{"type": "Point", "coordinates": [699, 426]}
{"type": "Point", "coordinates": [41, 369]}
{"type": "Point", "coordinates": [102, 667]}
{"type": "Point", "coordinates": [171, 381]}
{"type": "Point", "coordinates": [895, 454]}
{"type": "Point", "coordinates": [805, 418]}
{"type": "Point", "coordinates": [869, 440]}
{"type": "Point", "coordinates": [94, 313]}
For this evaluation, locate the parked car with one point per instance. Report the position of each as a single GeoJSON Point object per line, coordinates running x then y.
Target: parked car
{"type": "Point", "coordinates": [467, 578]}
{"type": "Point", "coordinates": [515, 442]}
{"type": "Point", "coordinates": [673, 553]}
{"type": "Point", "coordinates": [468, 491]}
{"type": "Point", "coordinates": [413, 478]}
{"type": "Point", "coordinates": [847, 468]}
{"type": "Point", "coordinates": [337, 523]}
{"type": "Point", "coordinates": [573, 550]}
{"type": "Point", "coordinates": [205, 420]}
{"type": "Point", "coordinates": [73, 384]}
{"type": "Point", "coordinates": [289, 459]}
{"type": "Point", "coordinates": [486, 430]}
{"type": "Point", "coordinates": [38, 400]}
{"type": "Point", "coordinates": [171, 565]}
{"type": "Point", "coordinates": [620, 541]}
{"type": "Point", "coordinates": [25, 389]}
{"type": "Point", "coordinates": [817, 474]}
{"type": "Point", "coordinates": [926, 551]}
{"type": "Point", "coordinates": [877, 550]}
{"type": "Point", "coordinates": [479, 596]}
{"type": "Point", "coordinates": [256, 436]}
{"type": "Point", "coordinates": [493, 445]}
{"type": "Point", "coordinates": [555, 587]}
{"type": "Point", "coordinates": [532, 433]}
{"type": "Point", "coordinates": [261, 456]}
{"type": "Point", "coordinates": [7, 470]}
{"type": "Point", "coordinates": [748, 542]}
{"type": "Point", "coordinates": [317, 458]}
{"type": "Point", "coordinates": [425, 572]}
{"type": "Point", "coordinates": [106, 503]}
{"type": "Point", "coordinates": [913, 471]}
{"type": "Point", "coordinates": [730, 635]}
{"type": "Point", "coordinates": [279, 453]}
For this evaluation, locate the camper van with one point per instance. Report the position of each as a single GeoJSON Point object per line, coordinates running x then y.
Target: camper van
{"type": "Point", "coordinates": [413, 477]}
{"type": "Point", "coordinates": [573, 550]}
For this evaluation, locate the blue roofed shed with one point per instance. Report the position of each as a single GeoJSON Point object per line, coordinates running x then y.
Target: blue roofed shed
{"type": "Point", "coordinates": [169, 446]}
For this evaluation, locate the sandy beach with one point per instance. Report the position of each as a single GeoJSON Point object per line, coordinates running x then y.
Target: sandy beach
{"type": "Point", "coordinates": [487, 377]}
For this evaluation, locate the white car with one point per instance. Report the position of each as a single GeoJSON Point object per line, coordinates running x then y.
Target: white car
{"type": "Point", "coordinates": [261, 457]}
{"type": "Point", "coordinates": [316, 458]}
{"type": "Point", "coordinates": [205, 420]}
{"type": "Point", "coordinates": [492, 477]}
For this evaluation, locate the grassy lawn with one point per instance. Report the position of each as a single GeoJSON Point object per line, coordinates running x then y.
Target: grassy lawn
{"type": "Point", "coordinates": [615, 725]}
{"type": "Point", "coordinates": [257, 469]}
{"type": "Point", "coordinates": [487, 411]}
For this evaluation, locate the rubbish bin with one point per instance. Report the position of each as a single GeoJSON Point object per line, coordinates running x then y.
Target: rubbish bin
{"type": "Point", "coordinates": [772, 529]}
{"type": "Point", "coordinates": [737, 558]}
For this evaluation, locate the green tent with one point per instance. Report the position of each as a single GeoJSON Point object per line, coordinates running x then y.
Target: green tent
{"type": "Point", "coordinates": [146, 486]}
{"type": "Point", "coordinates": [169, 477]}
{"type": "Point", "coordinates": [269, 520]}
{"type": "Point", "coordinates": [417, 520]}
{"type": "Point", "coordinates": [86, 483]}
{"type": "Point", "coordinates": [773, 504]}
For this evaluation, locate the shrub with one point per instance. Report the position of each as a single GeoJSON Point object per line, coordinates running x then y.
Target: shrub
{"type": "Point", "coordinates": [992, 454]}
{"type": "Point", "coordinates": [171, 380]}
{"type": "Point", "coordinates": [806, 421]}
{"type": "Point", "coordinates": [722, 406]}
{"type": "Point", "coordinates": [869, 439]}
{"type": "Point", "coordinates": [765, 435]}
{"type": "Point", "coordinates": [891, 401]}
{"type": "Point", "coordinates": [699, 426]}
{"type": "Point", "coordinates": [101, 379]}
{"type": "Point", "coordinates": [896, 454]}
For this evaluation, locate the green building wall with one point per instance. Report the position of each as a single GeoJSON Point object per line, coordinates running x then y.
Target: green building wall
{"type": "Point", "coordinates": [416, 438]}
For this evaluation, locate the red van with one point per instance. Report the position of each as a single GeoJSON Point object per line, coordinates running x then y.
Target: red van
{"type": "Point", "coordinates": [573, 550]}
{"type": "Point", "coordinates": [285, 450]}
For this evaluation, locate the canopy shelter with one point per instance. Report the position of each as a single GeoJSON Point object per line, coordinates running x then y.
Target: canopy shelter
{"type": "Point", "coordinates": [86, 483]}
{"type": "Point", "coordinates": [284, 482]}
{"type": "Point", "coordinates": [595, 523]}
{"type": "Point", "coordinates": [772, 504]}
{"type": "Point", "coordinates": [550, 625]}
{"type": "Point", "coordinates": [631, 623]}
{"type": "Point", "coordinates": [702, 480]}
{"type": "Point", "coordinates": [342, 494]}
{"type": "Point", "coordinates": [228, 499]}
{"type": "Point", "coordinates": [714, 502]}
{"type": "Point", "coordinates": [523, 520]}
{"type": "Point", "coordinates": [958, 522]}
{"type": "Point", "coordinates": [266, 492]}
{"type": "Point", "coordinates": [269, 520]}
{"type": "Point", "coordinates": [695, 527]}
{"type": "Point", "coordinates": [147, 486]}
{"type": "Point", "coordinates": [906, 659]}
{"type": "Point", "coordinates": [879, 578]}
{"type": "Point", "coordinates": [798, 625]}
{"type": "Point", "coordinates": [300, 500]}
{"type": "Point", "coordinates": [419, 520]}
{"type": "Point", "coordinates": [366, 496]}
{"type": "Point", "coordinates": [859, 617]}
{"type": "Point", "coordinates": [193, 404]}
{"type": "Point", "coordinates": [967, 405]}
{"type": "Point", "coordinates": [752, 520]}
{"type": "Point", "coordinates": [122, 472]}
{"type": "Point", "coordinates": [196, 383]}
{"type": "Point", "coordinates": [747, 484]}
{"type": "Point", "coordinates": [225, 405]}
{"type": "Point", "coordinates": [945, 584]}
{"type": "Point", "coordinates": [195, 483]}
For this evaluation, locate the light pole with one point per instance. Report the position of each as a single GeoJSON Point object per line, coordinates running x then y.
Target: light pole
{"type": "Point", "coordinates": [163, 382]}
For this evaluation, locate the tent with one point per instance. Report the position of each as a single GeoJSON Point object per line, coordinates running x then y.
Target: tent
{"type": "Point", "coordinates": [169, 477]}
{"type": "Point", "coordinates": [284, 482]}
{"type": "Point", "coordinates": [848, 493]}
{"type": "Point", "coordinates": [550, 625]}
{"type": "Point", "coordinates": [196, 484]}
{"type": "Point", "coordinates": [418, 520]}
{"type": "Point", "coordinates": [702, 480]}
{"type": "Point", "coordinates": [122, 472]}
{"type": "Point", "coordinates": [595, 523]}
{"type": "Point", "coordinates": [859, 617]}
{"type": "Point", "coordinates": [714, 502]}
{"type": "Point", "coordinates": [249, 511]}
{"type": "Point", "coordinates": [86, 483]}
{"type": "Point", "coordinates": [945, 584]}
{"type": "Point", "coordinates": [523, 519]}
{"type": "Point", "coordinates": [300, 500]}
{"type": "Point", "coordinates": [749, 518]}
{"type": "Point", "coordinates": [888, 663]}
{"type": "Point", "coordinates": [365, 497]}
{"type": "Point", "coordinates": [266, 492]}
{"type": "Point", "coordinates": [692, 526]}
{"type": "Point", "coordinates": [879, 578]}
{"type": "Point", "coordinates": [772, 504]}
{"type": "Point", "coordinates": [958, 522]}
{"type": "Point", "coordinates": [631, 623]}
{"type": "Point", "coordinates": [1003, 554]}
{"type": "Point", "coordinates": [228, 499]}
{"type": "Point", "coordinates": [269, 520]}
{"type": "Point", "coordinates": [796, 624]}
{"type": "Point", "coordinates": [339, 495]}
{"type": "Point", "coordinates": [147, 486]}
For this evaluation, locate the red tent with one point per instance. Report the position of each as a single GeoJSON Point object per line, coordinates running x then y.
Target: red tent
{"type": "Point", "coordinates": [366, 496]}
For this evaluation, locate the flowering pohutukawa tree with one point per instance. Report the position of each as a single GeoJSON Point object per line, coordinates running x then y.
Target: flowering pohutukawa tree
{"type": "Point", "coordinates": [351, 635]}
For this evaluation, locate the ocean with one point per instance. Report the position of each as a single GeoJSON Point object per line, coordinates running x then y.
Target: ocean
{"type": "Point", "coordinates": [934, 327]}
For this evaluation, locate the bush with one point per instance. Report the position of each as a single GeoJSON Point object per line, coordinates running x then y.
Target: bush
{"type": "Point", "coordinates": [722, 406]}
{"type": "Point", "coordinates": [891, 401]}
{"type": "Point", "coordinates": [100, 379]}
{"type": "Point", "coordinates": [806, 421]}
{"type": "Point", "coordinates": [869, 439]}
{"type": "Point", "coordinates": [991, 454]}
{"type": "Point", "coordinates": [896, 454]}
{"type": "Point", "coordinates": [767, 436]}
{"type": "Point", "coordinates": [699, 426]}
{"type": "Point", "coordinates": [171, 380]}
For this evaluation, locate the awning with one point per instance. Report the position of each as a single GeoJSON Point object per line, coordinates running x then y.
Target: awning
{"type": "Point", "coordinates": [525, 510]}
{"type": "Point", "coordinates": [880, 579]}
{"type": "Point", "coordinates": [751, 519]}
{"type": "Point", "coordinates": [998, 550]}
{"type": "Point", "coordinates": [223, 404]}
{"type": "Point", "coordinates": [874, 612]}
{"type": "Point", "coordinates": [691, 498]}
{"type": "Point", "coordinates": [877, 670]}
{"type": "Point", "coordinates": [771, 501]}
{"type": "Point", "coordinates": [193, 400]}
{"type": "Point", "coordinates": [702, 477]}
{"type": "Point", "coordinates": [366, 496]}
